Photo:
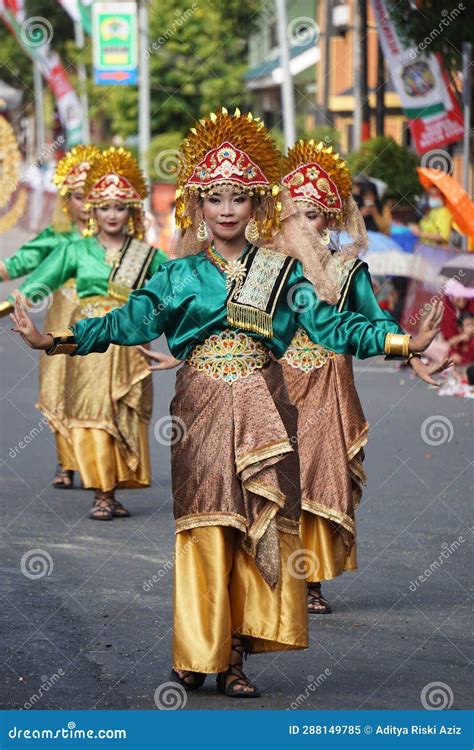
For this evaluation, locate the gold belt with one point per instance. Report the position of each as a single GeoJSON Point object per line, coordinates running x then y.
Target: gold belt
{"type": "Point", "coordinates": [96, 306]}
{"type": "Point", "coordinates": [303, 354]}
{"type": "Point", "coordinates": [228, 356]}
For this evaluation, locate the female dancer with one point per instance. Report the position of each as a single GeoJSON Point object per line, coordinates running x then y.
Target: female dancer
{"type": "Point", "coordinates": [109, 399]}
{"type": "Point", "coordinates": [321, 383]}
{"type": "Point", "coordinates": [235, 483]}
{"type": "Point", "coordinates": [69, 221]}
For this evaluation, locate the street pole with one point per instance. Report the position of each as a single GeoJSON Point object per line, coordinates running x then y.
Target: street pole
{"type": "Point", "coordinates": [364, 68]}
{"type": "Point", "coordinates": [467, 102]}
{"type": "Point", "coordinates": [358, 94]}
{"type": "Point", "coordinates": [380, 94]}
{"type": "Point", "coordinates": [143, 90]}
{"type": "Point", "coordinates": [287, 92]}
{"type": "Point", "coordinates": [325, 83]}
{"type": "Point", "coordinates": [39, 112]}
{"type": "Point", "coordinates": [82, 76]}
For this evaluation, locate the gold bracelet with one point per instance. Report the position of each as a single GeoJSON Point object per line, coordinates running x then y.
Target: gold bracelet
{"type": "Point", "coordinates": [63, 342]}
{"type": "Point", "coordinates": [397, 345]}
{"type": "Point", "coordinates": [5, 308]}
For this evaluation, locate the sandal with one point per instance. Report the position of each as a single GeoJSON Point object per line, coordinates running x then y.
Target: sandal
{"type": "Point", "coordinates": [63, 479]}
{"type": "Point", "coordinates": [317, 604]}
{"type": "Point", "coordinates": [233, 687]}
{"type": "Point", "coordinates": [118, 510]}
{"type": "Point", "coordinates": [102, 507]}
{"type": "Point", "coordinates": [198, 677]}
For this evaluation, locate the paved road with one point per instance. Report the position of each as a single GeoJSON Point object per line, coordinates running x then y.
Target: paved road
{"type": "Point", "coordinates": [95, 634]}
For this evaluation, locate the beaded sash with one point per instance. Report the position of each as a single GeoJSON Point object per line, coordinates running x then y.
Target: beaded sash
{"type": "Point", "coordinates": [228, 356]}
{"type": "Point", "coordinates": [303, 354]}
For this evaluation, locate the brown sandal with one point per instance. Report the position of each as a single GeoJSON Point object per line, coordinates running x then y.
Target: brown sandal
{"type": "Point", "coordinates": [63, 479]}
{"type": "Point", "coordinates": [118, 510]}
{"type": "Point", "coordinates": [232, 688]}
{"type": "Point", "coordinates": [102, 507]}
{"type": "Point", "coordinates": [317, 604]}
{"type": "Point", "coordinates": [196, 679]}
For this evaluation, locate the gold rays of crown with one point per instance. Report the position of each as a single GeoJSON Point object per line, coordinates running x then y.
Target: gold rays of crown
{"type": "Point", "coordinates": [246, 133]}
{"type": "Point", "coordinates": [121, 162]}
{"type": "Point", "coordinates": [304, 152]}
{"type": "Point", "coordinates": [72, 161]}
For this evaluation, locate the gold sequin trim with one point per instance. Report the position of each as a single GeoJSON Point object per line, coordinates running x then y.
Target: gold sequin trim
{"type": "Point", "coordinates": [303, 354]}
{"type": "Point", "coordinates": [332, 515]}
{"type": "Point", "coordinates": [198, 520]}
{"type": "Point", "coordinates": [267, 451]}
{"type": "Point", "coordinates": [228, 356]}
{"type": "Point", "coordinates": [97, 306]}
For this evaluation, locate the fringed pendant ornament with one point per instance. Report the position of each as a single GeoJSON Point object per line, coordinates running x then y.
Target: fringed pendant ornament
{"type": "Point", "coordinates": [325, 237]}
{"type": "Point", "coordinates": [252, 232]}
{"type": "Point", "coordinates": [202, 233]}
{"type": "Point", "coordinates": [235, 270]}
{"type": "Point", "coordinates": [250, 319]}
{"type": "Point", "coordinates": [130, 227]}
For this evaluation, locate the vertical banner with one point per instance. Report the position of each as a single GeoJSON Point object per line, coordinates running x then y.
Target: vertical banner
{"type": "Point", "coordinates": [115, 40]}
{"type": "Point", "coordinates": [80, 12]}
{"type": "Point", "coordinates": [33, 35]}
{"type": "Point", "coordinates": [434, 115]}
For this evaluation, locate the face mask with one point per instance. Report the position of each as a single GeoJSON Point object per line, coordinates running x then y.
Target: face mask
{"type": "Point", "coordinates": [435, 203]}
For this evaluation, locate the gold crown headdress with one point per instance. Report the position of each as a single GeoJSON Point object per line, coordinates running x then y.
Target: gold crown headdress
{"type": "Point", "coordinates": [229, 150]}
{"type": "Point", "coordinates": [316, 175]}
{"type": "Point", "coordinates": [72, 169]}
{"type": "Point", "coordinates": [116, 176]}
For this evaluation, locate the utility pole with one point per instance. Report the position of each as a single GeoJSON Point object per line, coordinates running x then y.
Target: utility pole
{"type": "Point", "coordinates": [82, 76]}
{"type": "Point", "coordinates": [143, 89]}
{"type": "Point", "coordinates": [287, 92]}
{"type": "Point", "coordinates": [380, 93]}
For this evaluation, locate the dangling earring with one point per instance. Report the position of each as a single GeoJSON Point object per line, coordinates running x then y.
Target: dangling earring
{"type": "Point", "coordinates": [251, 231]}
{"type": "Point", "coordinates": [202, 233]}
{"type": "Point", "coordinates": [92, 227]}
{"type": "Point", "coordinates": [325, 237]}
{"type": "Point", "coordinates": [130, 228]}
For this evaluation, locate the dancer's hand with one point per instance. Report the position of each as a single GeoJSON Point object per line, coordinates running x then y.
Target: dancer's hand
{"type": "Point", "coordinates": [429, 328]}
{"type": "Point", "coordinates": [425, 372]}
{"type": "Point", "coordinates": [165, 361]}
{"type": "Point", "coordinates": [27, 329]}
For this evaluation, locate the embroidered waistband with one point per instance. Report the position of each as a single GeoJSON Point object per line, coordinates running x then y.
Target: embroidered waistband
{"type": "Point", "coordinates": [303, 354]}
{"type": "Point", "coordinates": [228, 356]}
{"type": "Point", "coordinates": [96, 306]}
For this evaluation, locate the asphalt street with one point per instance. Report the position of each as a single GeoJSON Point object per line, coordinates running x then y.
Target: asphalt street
{"type": "Point", "coordinates": [87, 607]}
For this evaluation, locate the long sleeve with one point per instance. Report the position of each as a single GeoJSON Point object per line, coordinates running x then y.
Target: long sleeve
{"type": "Point", "coordinates": [159, 257]}
{"type": "Point", "coordinates": [342, 332]}
{"type": "Point", "coordinates": [361, 299]}
{"type": "Point", "coordinates": [142, 319]}
{"type": "Point", "coordinates": [51, 274]}
{"type": "Point", "coordinates": [30, 255]}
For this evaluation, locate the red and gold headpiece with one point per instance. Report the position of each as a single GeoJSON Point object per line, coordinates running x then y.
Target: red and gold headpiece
{"type": "Point", "coordinates": [72, 169]}
{"type": "Point", "coordinates": [115, 176]}
{"type": "Point", "coordinates": [314, 175]}
{"type": "Point", "coordinates": [228, 150]}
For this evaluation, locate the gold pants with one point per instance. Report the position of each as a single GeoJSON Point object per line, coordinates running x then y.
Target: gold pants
{"type": "Point", "coordinates": [218, 592]}
{"type": "Point", "coordinates": [328, 556]}
{"type": "Point", "coordinates": [64, 451]}
{"type": "Point", "coordinates": [96, 454]}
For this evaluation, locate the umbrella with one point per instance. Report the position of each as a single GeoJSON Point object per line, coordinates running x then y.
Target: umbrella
{"type": "Point", "coordinates": [398, 263]}
{"type": "Point", "coordinates": [454, 289]}
{"type": "Point", "coordinates": [460, 268]}
{"type": "Point", "coordinates": [457, 200]}
{"type": "Point", "coordinates": [378, 242]}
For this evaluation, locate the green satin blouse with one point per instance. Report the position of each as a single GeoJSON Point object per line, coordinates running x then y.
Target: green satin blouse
{"type": "Point", "coordinates": [186, 300]}
{"type": "Point", "coordinates": [30, 255]}
{"type": "Point", "coordinates": [83, 260]}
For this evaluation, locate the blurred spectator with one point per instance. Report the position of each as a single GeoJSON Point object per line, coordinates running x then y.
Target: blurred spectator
{"type": "Point", "coordinates": [377, 217]}
{"type": "Point", "coordinates": [435, 227]}
{"type": "Point", "coordinates": [461, 346]}
{"type": "Point", "coordinates": [454, 307]}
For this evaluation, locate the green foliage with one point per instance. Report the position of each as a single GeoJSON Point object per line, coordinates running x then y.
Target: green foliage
{"type": "Point", "coordinates": [440, 25]}
{"type": "Point", "coordinates": [384, 159]}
